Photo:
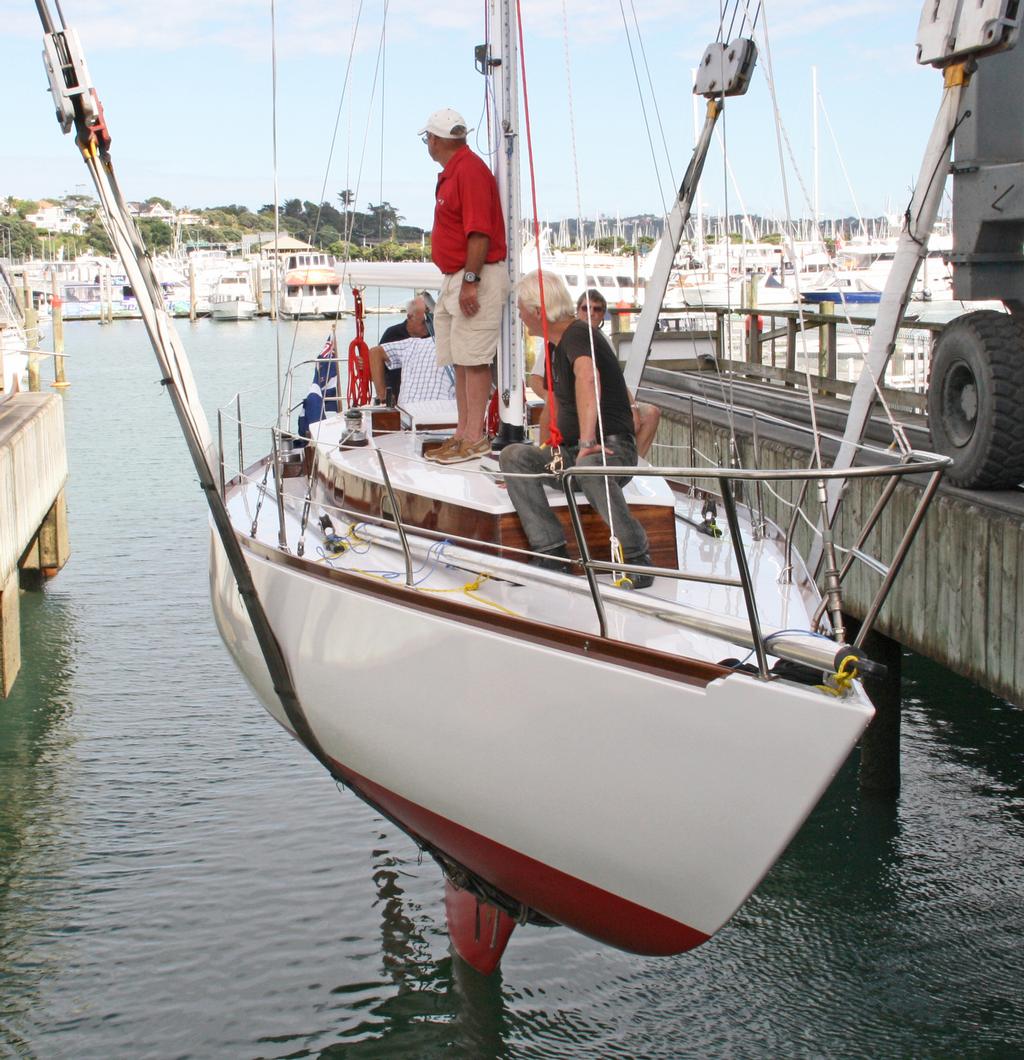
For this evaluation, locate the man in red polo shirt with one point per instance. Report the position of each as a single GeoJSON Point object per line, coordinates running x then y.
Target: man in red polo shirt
{"type": "Point", "coordinates": [468, 246]}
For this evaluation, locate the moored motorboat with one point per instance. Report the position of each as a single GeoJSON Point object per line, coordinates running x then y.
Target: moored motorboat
{"type": "Point", "coordinates": [310, 287]}
{"type": "Point", "coordinates": [842, 289]}
{"type": "Point", "coordinates": [232, 297]}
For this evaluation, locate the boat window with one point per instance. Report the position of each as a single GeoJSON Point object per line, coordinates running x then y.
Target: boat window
{"type": "Point", "coordinates": [606, 281]}
{"type": "Point", "coordinates": [572, 279]}
{"type": "Point", "coordinates": [334, 288]}
{"type": "Point", "coordinates": [591, 281]}
{"type": "Point", "coordinates": [625, 281]}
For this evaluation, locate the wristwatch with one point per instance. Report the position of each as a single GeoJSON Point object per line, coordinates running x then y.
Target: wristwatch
{"type": "Point", "coordinates": [589, 443]}
{"type": "Point", "coordinates": [470, 277]}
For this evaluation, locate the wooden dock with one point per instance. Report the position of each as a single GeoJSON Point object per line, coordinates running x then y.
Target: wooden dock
{"type": "Point", "coordinates": [960, 596]}
{"type": "Point", "coordinates": [33, 513]}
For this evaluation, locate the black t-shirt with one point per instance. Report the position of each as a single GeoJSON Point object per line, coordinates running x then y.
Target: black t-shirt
{"type": "Point", "coordinates": [616, 413]}
{"type": "Point", "coordinates": [393, 376]}
{"type": "Point", "coordinates": [395, 333]}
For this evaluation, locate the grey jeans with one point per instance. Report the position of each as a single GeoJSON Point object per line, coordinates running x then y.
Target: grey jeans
{"type": "Point", "coordinates": [543, 530]}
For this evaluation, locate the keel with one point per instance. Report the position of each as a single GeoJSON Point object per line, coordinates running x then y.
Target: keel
{"type": "Point", "coordinates": [479, 932]}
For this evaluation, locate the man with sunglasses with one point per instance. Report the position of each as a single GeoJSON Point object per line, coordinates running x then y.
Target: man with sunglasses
{"type": "Point", "coordinates": [591, 308]}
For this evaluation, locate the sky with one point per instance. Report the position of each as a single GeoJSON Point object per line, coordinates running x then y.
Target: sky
{"type": "Point", "coordinates": [187, 87]}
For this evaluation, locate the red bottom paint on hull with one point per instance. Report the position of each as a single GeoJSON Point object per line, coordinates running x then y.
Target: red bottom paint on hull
{"type": "Point", "coordinates": [558, 896]}
{"type": "Point", "coordinates": [479, 931]}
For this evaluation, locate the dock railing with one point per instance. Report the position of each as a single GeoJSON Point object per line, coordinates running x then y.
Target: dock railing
{"type": "Point", "coordinates": [786, 344]}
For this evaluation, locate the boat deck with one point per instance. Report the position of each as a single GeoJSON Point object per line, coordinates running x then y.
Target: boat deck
{"type": "Point", "coordinates": [694, 619]}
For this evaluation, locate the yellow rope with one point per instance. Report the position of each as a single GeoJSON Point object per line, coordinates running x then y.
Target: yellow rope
{"type": "Point", "coordinates": [842, 680]}
{"type": "Point", "coordinates": [469, 589]}
{"type": "Point", "coordinates": [619, 579]}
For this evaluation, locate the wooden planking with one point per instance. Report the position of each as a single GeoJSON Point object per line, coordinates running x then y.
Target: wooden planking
{"type": "Point", "coordinates": [959, 599]}
{"type": "Point", "coordinates": [359, 494]}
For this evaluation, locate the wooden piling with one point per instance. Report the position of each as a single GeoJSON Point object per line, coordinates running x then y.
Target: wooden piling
{"type": "Point", "coordinates": [10, 633]}
{"type": "Point", "coordinates": [49, 549]}
{"type": "Point", "coordinates": [828, 356]}
{"type": "Point", "coordinates": [57, 318]}
{"type": "Point", "coordinates": [32, 333]}
{"type": "Point", "coordinates": [753, 334]}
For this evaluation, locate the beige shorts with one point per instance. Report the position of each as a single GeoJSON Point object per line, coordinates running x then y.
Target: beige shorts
{"type": "Point", "coordinates": [470, 340]}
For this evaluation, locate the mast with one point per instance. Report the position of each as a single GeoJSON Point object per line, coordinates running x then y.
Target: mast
{"type": "Point", "coordinates": [498, 61]}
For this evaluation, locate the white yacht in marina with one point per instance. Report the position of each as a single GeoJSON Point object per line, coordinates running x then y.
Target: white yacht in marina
{"type": "Point", "coordinates": [231, 297]}
{"type": "Point", "coordinates": [310, 286]}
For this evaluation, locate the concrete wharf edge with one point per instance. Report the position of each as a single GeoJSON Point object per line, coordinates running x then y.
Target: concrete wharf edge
{"type": "Point", "coordinates": [33, 518]}
{"type": "Point", "coordinates": [960, 596]}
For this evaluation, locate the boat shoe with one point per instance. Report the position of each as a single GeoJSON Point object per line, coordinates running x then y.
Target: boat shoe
{"type": "Point", "coordinates": [464, 450]}
{"type": "Point", "coordinates": [446, 446]}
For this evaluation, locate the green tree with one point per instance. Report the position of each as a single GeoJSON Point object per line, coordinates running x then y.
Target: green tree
{"type": "Point", "coordinates": [97, 239]}
{"type": "Point", "coordinates": [18, 238]}
{"type": "Point", "coordinates": [153, 200]}
{"type": "Point", "coordinates": [23, 207]}
{"type": "Point", "coordinates": [386, 217]}
{"type": "Point", "coordinates": [156, 234]}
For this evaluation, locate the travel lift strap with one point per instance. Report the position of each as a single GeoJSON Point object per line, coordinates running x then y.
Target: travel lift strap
{"type": "Point", "coordinates": [78, 105]}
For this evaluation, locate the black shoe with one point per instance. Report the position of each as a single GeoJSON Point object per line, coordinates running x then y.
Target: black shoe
{"type": "Point", "coordinates": [552, 559]}
{"type": "Point", "coordinates": [640, 581]}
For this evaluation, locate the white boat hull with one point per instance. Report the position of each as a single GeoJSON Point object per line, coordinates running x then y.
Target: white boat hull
{"type": "Point", "coordinates": [637, 806]}
{"type": "Point", "coordinates": [236, 309]}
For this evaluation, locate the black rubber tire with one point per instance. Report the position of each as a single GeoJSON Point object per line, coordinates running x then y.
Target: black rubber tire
{"type": "Point", "coordinates": [976, 400]}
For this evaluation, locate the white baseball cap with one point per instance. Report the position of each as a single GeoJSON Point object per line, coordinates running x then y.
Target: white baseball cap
{"type": "Point", "coordinates": [447, 124]}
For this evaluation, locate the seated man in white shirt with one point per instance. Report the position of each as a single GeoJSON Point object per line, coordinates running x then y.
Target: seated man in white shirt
{"type": "Point", "coordinates": [422, 379]}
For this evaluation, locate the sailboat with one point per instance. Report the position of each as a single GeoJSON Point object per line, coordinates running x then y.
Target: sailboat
{"type": "Point", "coordinates": [629, 764]}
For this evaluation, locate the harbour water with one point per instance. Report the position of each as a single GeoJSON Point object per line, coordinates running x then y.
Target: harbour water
{"type": "Point", "coordinates": [179, 879]}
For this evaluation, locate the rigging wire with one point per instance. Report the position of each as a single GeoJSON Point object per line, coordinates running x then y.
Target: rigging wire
{"type": "Point", "coordinates": [643, 111]}
{"type": "Point", "coordinates": [554, 434]}
{"type": "Point", "coordinates": [769, 73]}
{"type": "Point", "coordinates": [613, 539]}
{"type": "Point", "coordinates": [277, 204]}
{"type": "Point", "coordinates": [346, 81]}
{"type": "Point", "coordinates": [650, 82]}
{"type": "Point", "coordinates": [842, 165]}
